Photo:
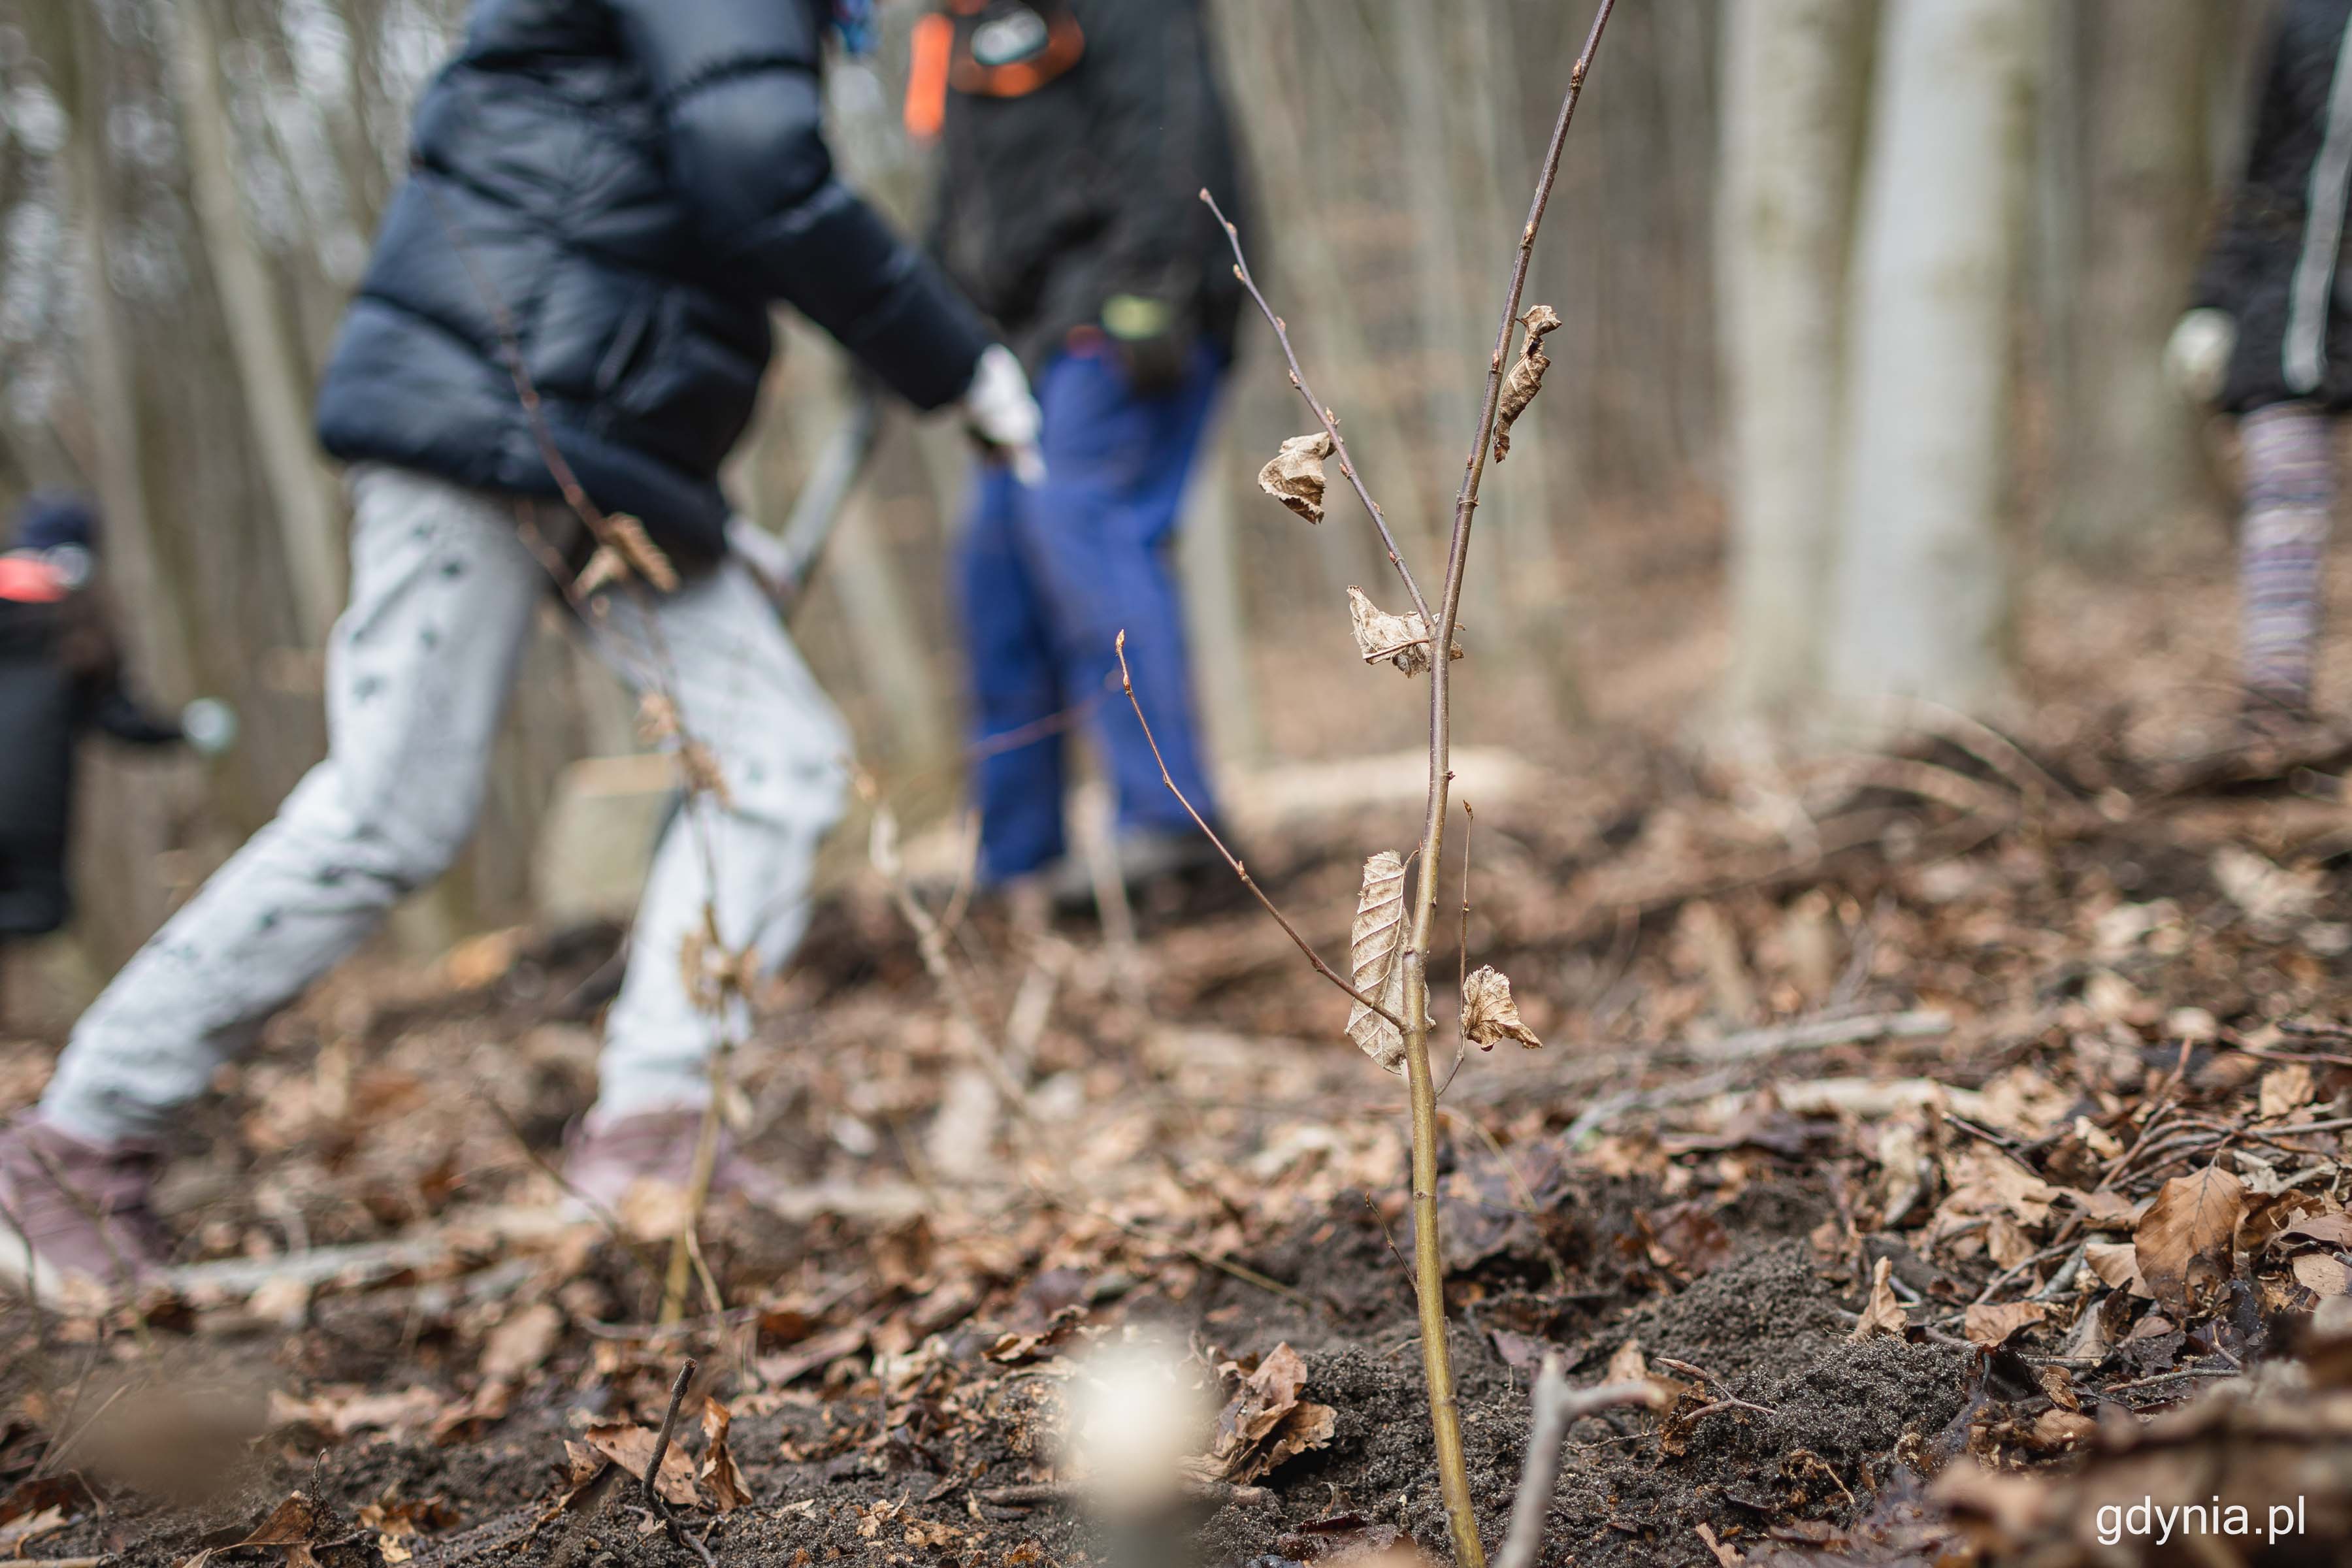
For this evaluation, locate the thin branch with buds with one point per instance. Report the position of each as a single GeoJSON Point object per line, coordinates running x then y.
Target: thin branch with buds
{"type": "Point", "coordinates": [1126, 684]}
{"type": "Point", "coordinates": [1330, 421]}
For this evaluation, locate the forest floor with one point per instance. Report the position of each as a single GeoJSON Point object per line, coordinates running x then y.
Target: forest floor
{"type": "Point", "coordinates": [1955, 1132]}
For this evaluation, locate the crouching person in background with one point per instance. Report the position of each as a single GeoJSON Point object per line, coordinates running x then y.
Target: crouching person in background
{"type": "Point", "coordinates": [613, 191]}
{"type": "Point", "coordinates": [1076, 136]}
{"type": "Point", "coordinates": [2270, 340]}
{"type": "Point", "coordinates": [60, 678]}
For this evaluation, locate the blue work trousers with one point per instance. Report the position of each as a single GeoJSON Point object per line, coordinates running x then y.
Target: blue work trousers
{"type": "Point", "coordinates": [1049, 575]}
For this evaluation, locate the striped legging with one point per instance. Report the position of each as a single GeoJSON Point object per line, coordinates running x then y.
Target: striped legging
{"type": "Point", "coordinates": [2290, 465]}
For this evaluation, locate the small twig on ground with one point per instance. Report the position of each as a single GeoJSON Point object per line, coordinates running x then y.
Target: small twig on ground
{"type": "Point", "coordinates": [1724, 1395]}
{"type": "Point", "coordinates": [2174, 1377]}
{"type": "Point", "coordinates": [1810, 1034]}
{"type": "Point", "coordinates": [1126, 684]}
{"type": "Point", "coordinates": [1036, 1494]}
{"type": "Point", "coordinates": [1557, 1408]}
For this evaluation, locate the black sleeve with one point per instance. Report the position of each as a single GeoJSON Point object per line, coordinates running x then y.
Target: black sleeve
{"type": "Point", "coordinates": [2264, 206]}
{"type": "Point", "coordinates": [116, 711]}
{"type": "Point", "coordinates": [1153, 97]}
{"type": "Point", "coordinates": [738, 86]}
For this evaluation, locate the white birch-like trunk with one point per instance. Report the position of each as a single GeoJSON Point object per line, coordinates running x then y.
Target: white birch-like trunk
{"type": "Point", "coordinates": [1794, 93]}
{"type": "Point", "coordinates": [1923, 579]}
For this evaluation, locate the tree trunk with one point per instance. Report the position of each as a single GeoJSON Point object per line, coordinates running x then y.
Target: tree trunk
{"type": "Point", "coordinates": [2130, 465]}
{"type": "Point", "coordinates": [276, 399]}
{"type": "Point", "coordinates": [1794, 90]}
{"type": "Point", "coordinates": [1922, 585]}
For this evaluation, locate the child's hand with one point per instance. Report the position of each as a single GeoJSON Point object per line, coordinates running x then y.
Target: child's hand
{"type": "Point", "coordinates": [2197, 355]}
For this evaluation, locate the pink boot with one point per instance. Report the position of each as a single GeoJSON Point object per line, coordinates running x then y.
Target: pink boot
{"type": "Point", "coordinates": [75, 1211]}
{"type": "Point", "coordinates": [608, 1159]}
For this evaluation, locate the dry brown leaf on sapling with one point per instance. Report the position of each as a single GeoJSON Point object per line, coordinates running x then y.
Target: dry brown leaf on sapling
{"type": "Point", "coordinates": [1293, 475]}
{"type": "Point", "coordinates": [1374, 944]}
{"type": "Point", "coordinates": [1489, 1015]}
{"type": "Point", "coordinates": [1526, 377]}
{"type": "Point", "coordinates": [1384, 638]}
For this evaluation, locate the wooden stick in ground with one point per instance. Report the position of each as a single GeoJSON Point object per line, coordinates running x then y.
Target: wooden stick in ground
{"type": "Point", "coordinates": [1446, 1417]}
{"type": "Point", "coordinates": [654, 1502]}
{"type": "Point", "coordinates": [1557, 1408]}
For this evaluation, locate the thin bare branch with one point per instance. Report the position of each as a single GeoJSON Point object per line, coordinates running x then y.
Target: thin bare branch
{"type": "Point", "coordinates": [1126, 684]}
{"type": "Point", "coordinates": [1557, 1408]}
{"type": "Point", "coordinates": [1329, 421]}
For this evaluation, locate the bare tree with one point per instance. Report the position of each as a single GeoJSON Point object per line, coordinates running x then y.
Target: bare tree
{"type": "Point", "coordinates": [1924, 573]}
{"type": "Point", "coordinates": [1795, 91]}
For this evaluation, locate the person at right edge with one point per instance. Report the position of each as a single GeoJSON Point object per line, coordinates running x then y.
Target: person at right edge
{"type": "Point", "coordinates": [2269, 340]}
{"type": "Point", "coordinates": [1076, 138]}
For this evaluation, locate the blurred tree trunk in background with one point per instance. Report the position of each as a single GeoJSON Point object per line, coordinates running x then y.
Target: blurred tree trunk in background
{"type": "Point", "coordinates": [277, 394]}
{"type": "Point", "coordinates": [1795, 93]}
{"type": "Point", "coordinates": [2129, 464]}
{"type": "Point", "coordinates": [1924, 568]}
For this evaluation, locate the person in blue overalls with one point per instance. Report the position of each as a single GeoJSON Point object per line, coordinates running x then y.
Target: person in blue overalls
{"type": "Point", "coordinates": [1076, 136]}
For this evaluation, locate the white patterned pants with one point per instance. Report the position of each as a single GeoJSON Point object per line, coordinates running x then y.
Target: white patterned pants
{"type": "Point", "coordinates": [419, 670]}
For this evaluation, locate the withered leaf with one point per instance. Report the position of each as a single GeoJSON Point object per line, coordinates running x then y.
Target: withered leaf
{"type": "Point", "coordinates": [1526, 377]}
{"type": "Point", "coordinates": [1373, 944]}
{"type": "Point", "coordinates": [1626, 1364]}
{"type": "Point", "coordinates": [2322, 1275]}
{"type": "Point", "coordinates": [1991, 1324]}
{"type": "Point", "coordinates": [626, 535]}
{"type": "Point", "coordinates": [2285, 1090]}
{"type": "Point", "coordinates": [1384, 638]}
{"type": "Point", "coordinates": [517, 1346]}
{"type": "Point", "coordinates": [1293, 475]}
{"type": "Point", "coordinates": [2183, 1242]}
{"type": "Point", "coordinates": [2117, 1264]}
{"type": "Point", "coordinates": [631, 1447]}
{"type": "Point", "coordinates": [1488, 1013]}
{"type": "Point", "coordinates": [1884, 1314]}
{"type": "Point", "coordinates": [719, 1475]}
{"type": "Point", "coordinates": [1266, 1423]}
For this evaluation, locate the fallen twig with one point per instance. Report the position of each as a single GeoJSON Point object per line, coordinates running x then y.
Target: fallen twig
{"type": "Point", "coordinates": [1036, 1494]}
{"type": "Point", "coordinates": [1811, 1034]}
{"type": "Point", "coordinates": [1557, 1408]}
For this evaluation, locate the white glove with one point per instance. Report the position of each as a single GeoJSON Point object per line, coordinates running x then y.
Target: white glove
{"type": "Point", "coordinates": [2197, 355]}
{"type": "Point", "coordinates": [999, 410]}
{"type": "Point", "coordinates": [209, 724]}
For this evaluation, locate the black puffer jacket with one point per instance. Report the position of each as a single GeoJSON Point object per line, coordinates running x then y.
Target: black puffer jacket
{"type": "Point", "coordinates": [2277, 263]}
{"type": "Point", "coordinates": [59, 676]}
{"type": "Point", "coordinates": [634, 180]}
{"type": "Point", "coordinates": [1056, 198]}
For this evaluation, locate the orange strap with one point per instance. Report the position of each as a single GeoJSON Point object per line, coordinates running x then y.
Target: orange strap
{"type": "Point", "coordinates": [927, 78]}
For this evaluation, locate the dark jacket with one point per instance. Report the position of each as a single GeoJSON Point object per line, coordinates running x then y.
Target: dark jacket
{"type": "Point", "coordinates": [633, 182]}
{"type": "Point", "coordinates": [2277, 261]}
{"type": "Point", "coordinates": [1056, 198]}
{"type": "Point", "coordinates": [59, 676]}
